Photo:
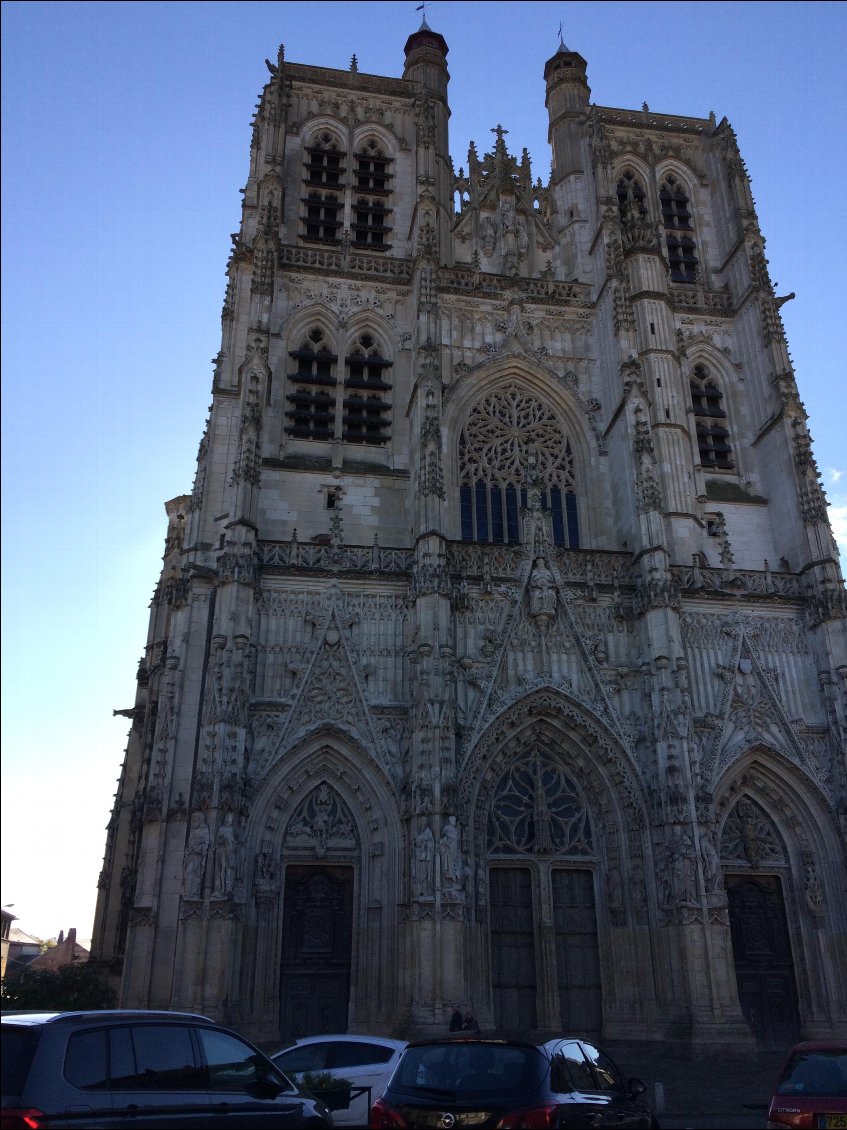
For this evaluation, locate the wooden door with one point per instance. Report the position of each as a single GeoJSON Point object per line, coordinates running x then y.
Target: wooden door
{"type": "Point", "coordinates": [513, 976]}
{"type": "Point", "coordinates": [764, 967]}
{"type": "Point", "coordinates": [317, 935]}
{"type": "Point", "coordinates": [577, 952]}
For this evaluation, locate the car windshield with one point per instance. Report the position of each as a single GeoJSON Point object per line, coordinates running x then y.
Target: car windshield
{"type": "Point", "coordinates": [455, 1069]}
{"type": "Point", "coordinates": [815, 1073]}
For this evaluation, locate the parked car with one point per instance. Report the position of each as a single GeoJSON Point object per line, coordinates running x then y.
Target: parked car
{"type": "Point", "coordinates": [506, 1084]}
{"type": "Point", "coordinates": [164, 1070]}
{"type": "Point", "coordinates": [812, 1088]}
{"type": "Point", "coordinates": [365, 1061]}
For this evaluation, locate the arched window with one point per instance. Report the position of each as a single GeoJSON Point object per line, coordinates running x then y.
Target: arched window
{"type": "Point", "coordinates": [710, 420]}
{"type": "Point", "coordinates": [370, 197]}
{"type": "Point", "coordinates": [312, 399]}
{"type": "Point", "coordinates": [367, 407]}
{"type": "Point", "coordinates": [323, 163]}
{"type": "Point", "coordinates": [510, 437]}
{"type": "Point", "coordinates": [372, 168]}
{"type": "Point", "coordinates": [679, 232]}
{"type": "Point", "coordinates": [631, 198]}
{"type": "Point", "coordinates": [323, 209]}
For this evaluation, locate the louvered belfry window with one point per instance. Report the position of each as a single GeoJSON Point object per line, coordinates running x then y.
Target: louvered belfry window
{"type": "Point", "coordinates": [311, 412]}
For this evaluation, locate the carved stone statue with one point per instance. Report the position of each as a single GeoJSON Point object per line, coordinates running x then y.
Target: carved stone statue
{"type": "Point", "coordinates": [226, 859]}
{"type": "Point", "coordinates": [813, 892]}
{"type": "Point", "coordinates": [194, 861]}
{"type": "Point", "coordinates": [542, 590]}
{"type": "Point", "coordinates": [711, 864]}
{"type": "Point", "coordinates": [488, 231]}
{"type": "Point", "coordinates": [450, 856]}
{"type": "Point", "coordinates": [423, 864]}
{"type": "Point", "coordinates": [266, 865]}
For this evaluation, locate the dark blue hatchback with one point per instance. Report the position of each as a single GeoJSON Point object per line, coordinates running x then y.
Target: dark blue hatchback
{"type": "Point", "coordinates": [508, 1085]}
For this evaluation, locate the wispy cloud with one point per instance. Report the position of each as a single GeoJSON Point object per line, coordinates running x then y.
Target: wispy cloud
{"type": "Point", "coordinates": [834, 474]}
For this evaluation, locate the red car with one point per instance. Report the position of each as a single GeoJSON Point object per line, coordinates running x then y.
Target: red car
{"type": "Point", "coordinates": [812, 1088]}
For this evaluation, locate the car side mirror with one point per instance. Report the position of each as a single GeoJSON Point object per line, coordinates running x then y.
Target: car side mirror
{"type": "Point", "coordinates": [635, 1087]}
{"type": "Point", "coordinates": [268, 1084]}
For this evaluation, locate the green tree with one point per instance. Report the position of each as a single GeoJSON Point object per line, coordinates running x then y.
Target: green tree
{"type": "Point", "coordinates": [73, 987]}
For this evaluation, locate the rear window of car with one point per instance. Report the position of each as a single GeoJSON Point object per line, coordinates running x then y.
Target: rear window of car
{"type": "Point", "coordinates": [502, 1070]}
{"type": "Point", "coordinates": [815, 1073]}
{"type": "Point", "coordinates": [309, 1057]}
{"type": "Point", "coordinates": [19, 1044]}
{"type": "Point", "coordinates": [87, 1060]}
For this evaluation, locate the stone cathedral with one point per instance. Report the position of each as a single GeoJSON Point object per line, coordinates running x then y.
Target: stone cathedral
{"type": "Point", "coordinates": [499, 653]}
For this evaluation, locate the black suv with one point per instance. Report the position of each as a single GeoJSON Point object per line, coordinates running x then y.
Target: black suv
{"type": "Point", "coordinates": [508, 1085]}
{"type": "Point", "coordinates": [171, 1070]}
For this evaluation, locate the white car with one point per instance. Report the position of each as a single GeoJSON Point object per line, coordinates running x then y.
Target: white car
{"type": "Point", "coordinates": [365, 1061]}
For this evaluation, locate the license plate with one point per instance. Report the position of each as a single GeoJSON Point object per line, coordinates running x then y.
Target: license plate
{"type": "Point", "coordinates": [832, 1122]}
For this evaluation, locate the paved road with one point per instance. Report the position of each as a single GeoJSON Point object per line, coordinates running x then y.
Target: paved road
{"type": "Point", "coordinates": [720, 1092]}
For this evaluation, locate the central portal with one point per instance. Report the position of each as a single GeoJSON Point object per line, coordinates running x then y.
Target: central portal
{"type": "Point", "coordinates": [317, 937]}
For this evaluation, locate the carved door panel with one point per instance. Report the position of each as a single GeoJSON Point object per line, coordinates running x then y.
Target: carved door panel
{"type": "Point", "coordinates": [577, 952]}
{"type": "Point", "coordinates": [764, 968]}
{"type": "Point", "coordinates": [317, 934]}
{"type": "Point", "coordinates": [513, 976]}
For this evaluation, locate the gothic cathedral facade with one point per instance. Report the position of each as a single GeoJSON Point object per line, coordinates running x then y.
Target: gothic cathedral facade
{"type": "Point", "coordinates": [498, 654]}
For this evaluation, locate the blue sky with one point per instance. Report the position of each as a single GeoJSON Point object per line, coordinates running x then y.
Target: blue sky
{"type": "Point", "coordinates": [126, 132]}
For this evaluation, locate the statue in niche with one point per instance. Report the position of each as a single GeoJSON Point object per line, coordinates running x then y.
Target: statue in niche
{"type": "Point", "coordinates": [266, 868]}
{"type": "Point", "coordinates": [711, 864]}
{"type": "Point", "coordinates": [321, 819]}
{"type": "Point", "coordinates": [194, 862]}
{"type": "Point", "coordinates": [450, 856]}
{"type": "Point", "coordinates": [422, 795]}
{"type": "Point", "coordinates": [614, 889]}
{"type": "Point", "coordinates": [423, 864]}
{"type": "Point", "coordinates": [813, 892]}
{"type": "Point", "coordinates": [226, 858]}
{"type": "Point", "coordinates": [749, 832]}
{"type": "Point", "coordinates": [542, 590]}
{"type": "Point", "coordinates": [683, 871]}
{"type": "Point", "coordinates": [523, 238]}
{"type": "Point", "coordinates": [488, 233]}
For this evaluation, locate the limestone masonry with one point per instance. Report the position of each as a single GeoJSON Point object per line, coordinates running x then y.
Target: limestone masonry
{"type": "Point", "coordinates": [498, 655]}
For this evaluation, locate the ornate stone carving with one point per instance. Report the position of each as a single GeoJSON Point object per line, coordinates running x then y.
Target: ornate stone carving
{"type": "Point", "coordinates": [450, 866]}
{"type": "Point", "coordinates": [322, 826]}
{"type": "Point", "coordinates": [423, 864]}
{"type": "Point", "coordinates": [749, 836]}
{"type": "Point", "coordinates": [227, 859]}
{"type": "Point", "coordinates": [196, 854]}
{"type": "Point", "coordinates": [536, 808]}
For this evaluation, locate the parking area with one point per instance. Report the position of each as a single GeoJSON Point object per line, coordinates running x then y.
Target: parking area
{"type": "Point", "coordinates": [721, 1092]}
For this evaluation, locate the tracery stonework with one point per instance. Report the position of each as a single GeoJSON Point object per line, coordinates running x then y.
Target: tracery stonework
{"type": "Point", "coordinates": [507, 431]}
{"type": "Point", "coordinates": [503, 621]}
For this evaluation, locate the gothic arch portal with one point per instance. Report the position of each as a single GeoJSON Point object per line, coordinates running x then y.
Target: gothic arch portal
{"type": "Point", "coordinates": [318, 953]}
{"type": "Point", "coordinates": [783, 863]}
{"type": "Point", "coordinates": [558, 854]}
